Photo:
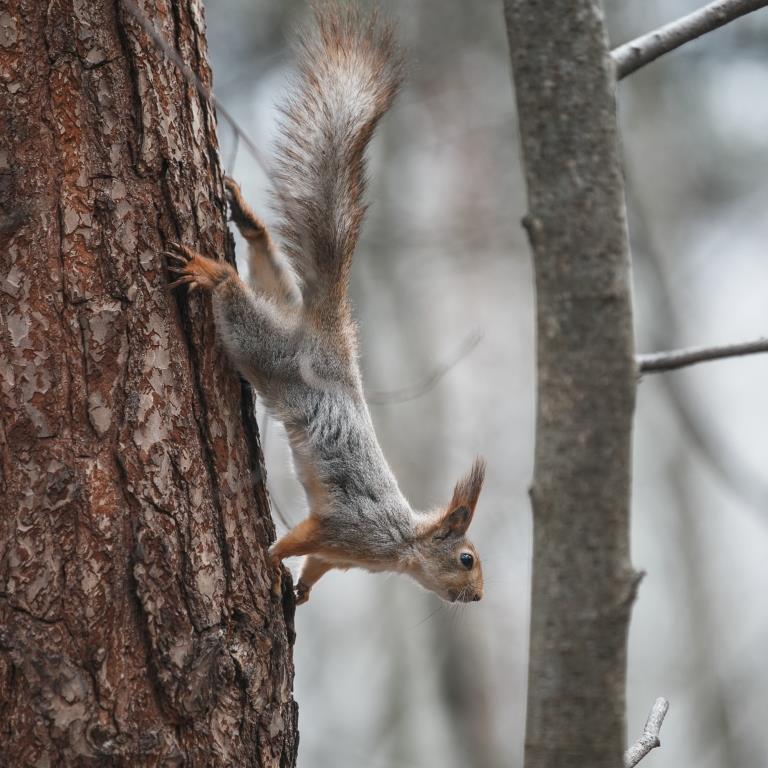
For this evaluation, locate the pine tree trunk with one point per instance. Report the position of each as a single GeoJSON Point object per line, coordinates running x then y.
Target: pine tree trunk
{"type": "Point", "coordinates": [137, 626]}
{"type": "Point", "coordinates": [583, 583]}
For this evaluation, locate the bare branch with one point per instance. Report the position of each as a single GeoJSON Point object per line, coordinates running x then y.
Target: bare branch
{"type": "Point", "coordinates": [645, 49]}
{"type": "Point", "coordinates": [679, 358]}
{"type": "Point", "coordinates": [431, 380]}
{"type": "Point", "coordinates": [650, 738]}
{"type": "Point", "coordinates": [735, 474]}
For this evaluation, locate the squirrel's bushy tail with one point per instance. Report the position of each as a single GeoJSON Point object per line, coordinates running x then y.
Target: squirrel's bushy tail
{"type": "Point", "coordinates": [349, 71]}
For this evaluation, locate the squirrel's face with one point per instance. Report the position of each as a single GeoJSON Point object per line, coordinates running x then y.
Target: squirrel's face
{"type": "Point", "coordinates": [451, 568]}
{"type": "Point", "coordinates": [448, 563]}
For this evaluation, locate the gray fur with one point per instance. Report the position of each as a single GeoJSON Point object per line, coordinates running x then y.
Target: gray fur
{"type": "Point", "coordinates": [327, 419]}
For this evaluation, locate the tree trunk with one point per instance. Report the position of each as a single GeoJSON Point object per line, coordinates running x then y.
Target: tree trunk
{"type": "Point", "coordinates": [583, 583]}
{"type": "Point", "coordinates": [137, 626]}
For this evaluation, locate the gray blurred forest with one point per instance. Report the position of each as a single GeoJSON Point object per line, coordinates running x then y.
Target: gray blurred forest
{"type": "Point", "coordinates": [385, 673]}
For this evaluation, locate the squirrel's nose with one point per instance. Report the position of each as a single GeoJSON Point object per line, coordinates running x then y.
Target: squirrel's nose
{"type": "Point", "coordinates": [478, 596]}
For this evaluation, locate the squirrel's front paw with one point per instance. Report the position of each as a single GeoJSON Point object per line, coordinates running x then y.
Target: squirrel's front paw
{"type": "Point", "coordinates": [277, 585]}
{"type": "Point", "coordinates": [277, 575]}
{"type": "Point", "coordinates": [302, 592]}
{"type": "Point", "coordinates": [195, 270]}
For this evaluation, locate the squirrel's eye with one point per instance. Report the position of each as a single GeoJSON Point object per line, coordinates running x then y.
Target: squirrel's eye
{"type": "Point", "coordinates": [466, 560]}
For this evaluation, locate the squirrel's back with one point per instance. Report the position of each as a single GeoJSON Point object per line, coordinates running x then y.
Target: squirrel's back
{"type": "Point", "coordinates": [349, 72]}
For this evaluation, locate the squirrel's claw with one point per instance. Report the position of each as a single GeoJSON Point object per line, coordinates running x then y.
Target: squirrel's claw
{"type": "Point", "coordinates": [179, 252]}
{"type": "Point", "coordinates": [277, 585]}
{"type": "Point", "coordinates": [277, 576]}
{"type": "Point", "coordinates": [183, 280]}
{"type": "Point", "coordinates": [302, 593]}
{"type": "Point", "coordinates": [231, 191]}
{"type": "Point", "coordinates": [231, 187]}
{"type": "Point", "coordinates": [250, 225]}
{"type": "Point", "coordinates": [179, 266]}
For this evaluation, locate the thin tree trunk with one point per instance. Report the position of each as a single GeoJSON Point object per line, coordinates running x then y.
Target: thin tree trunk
{"type": "Point", "coordinates": [136, 622]}
{"type": "Point", "coordinates": [583, 583]}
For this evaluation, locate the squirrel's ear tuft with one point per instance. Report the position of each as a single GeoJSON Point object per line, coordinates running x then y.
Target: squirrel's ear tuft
{"type": "Point", "coordinates": [461, 510]}
{"type": "Point", "coordinates": [468, 489]}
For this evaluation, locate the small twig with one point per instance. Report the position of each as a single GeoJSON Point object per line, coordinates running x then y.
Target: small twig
{"type": "Point", "coordinates": [233, 155]}
{"type": "Point", "coordinates": [191, 77]}
{"type": "Point", "coordinates": [679, 358]}
{"type": "Point", "coordinates": [263, 433]}
{"type": "Point", "coordinates": [646, 48]}
{"type": "Point", "coordinates": [419, 389]}
{"type": "Point", "coordinates": [650, 738]}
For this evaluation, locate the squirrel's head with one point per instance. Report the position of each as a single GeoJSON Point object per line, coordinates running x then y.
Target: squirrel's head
{"type": "Point", "coordinates": [447, 563]}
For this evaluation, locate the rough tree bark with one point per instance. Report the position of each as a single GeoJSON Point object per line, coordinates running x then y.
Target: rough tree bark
{"type": "Point", "coordinates": [136, 623]}
{"type": "Point", "coordinates": [583, 583]}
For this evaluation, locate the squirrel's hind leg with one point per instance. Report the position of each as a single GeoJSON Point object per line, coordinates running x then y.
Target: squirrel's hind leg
{"type": "Point", "coordinates": [269, 270]}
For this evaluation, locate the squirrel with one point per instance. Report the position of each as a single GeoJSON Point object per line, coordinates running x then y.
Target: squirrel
{"type": "Point", "coordinates": [291, 333]}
